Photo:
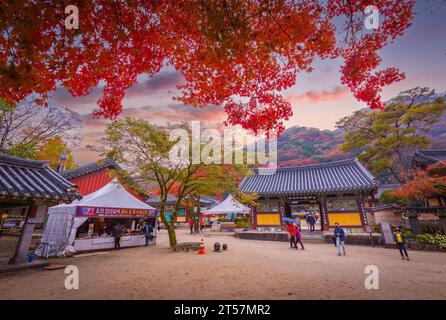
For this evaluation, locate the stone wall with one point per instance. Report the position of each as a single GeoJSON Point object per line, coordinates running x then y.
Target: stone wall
{"type": "Point", "coordinates": [267, 236]}
{"type": "Point", "coordinates": [358, 239]}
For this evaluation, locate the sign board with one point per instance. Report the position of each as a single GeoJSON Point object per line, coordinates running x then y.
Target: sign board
{"type": "Point", "coordinates": [386, 231]}
{"type": "Point", "coordinates": [34, 220]}
{"type": "Point", "coordinates": [83, 211]}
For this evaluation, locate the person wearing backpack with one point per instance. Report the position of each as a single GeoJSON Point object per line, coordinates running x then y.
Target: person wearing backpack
{"type": "Point", "coordinates": [400, 241]}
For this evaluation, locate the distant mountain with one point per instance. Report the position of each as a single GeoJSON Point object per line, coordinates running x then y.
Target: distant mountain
{"type": "Point", "coordinates": [302, 145]}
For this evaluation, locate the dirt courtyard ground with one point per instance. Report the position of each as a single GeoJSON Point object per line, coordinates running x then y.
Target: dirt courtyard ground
{"type": "Point", "coordinates": [248, 270]}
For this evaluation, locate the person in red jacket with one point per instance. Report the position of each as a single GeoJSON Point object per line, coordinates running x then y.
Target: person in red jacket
{"type": "Point", "coordinates": [292, 233]}
{"type": "Point", "coordinates": [202, 225]}
{"type": "Point", "coordinates": [191, 225]}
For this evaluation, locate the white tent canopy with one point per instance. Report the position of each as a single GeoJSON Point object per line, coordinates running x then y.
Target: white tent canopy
{"type": "Point", "coordinates": [229, 205]}
{"type": "Point", "coordinates": [64, 219]}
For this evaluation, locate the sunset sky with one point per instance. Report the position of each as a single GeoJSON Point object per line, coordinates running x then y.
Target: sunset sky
{"type": "Point", "coordinates": [318, 99]}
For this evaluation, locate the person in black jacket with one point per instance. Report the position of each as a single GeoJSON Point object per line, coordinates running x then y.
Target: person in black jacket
{"type": "Point", "coordinates": [311, 221]}
{"type": "Point", "coordinates": [117, 233]}
{"type": "Point", "coordinates": [148, 231]}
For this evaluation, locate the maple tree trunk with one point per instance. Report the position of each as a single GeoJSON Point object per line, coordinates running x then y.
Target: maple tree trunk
{"type": "Point", "coordinates": [169, 226]}
{"type": "Point", "coordinates": [172, 236]}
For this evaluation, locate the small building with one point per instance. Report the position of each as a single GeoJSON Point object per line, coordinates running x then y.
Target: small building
{"type": "Point", "coordinates": [93, 176]}
{"type": "Point", "coordinates": [170, 203]}
{"type": "Point", "coordinates": [424, 158]}
{"type": "Point", "coordinates": [27, 189]}
{"type": "Point", "coordinates": [337, 191]}
{"type": "Point", "coordinates": [183, 215]}
{"type": "Point", "coordinates": [432, 215]}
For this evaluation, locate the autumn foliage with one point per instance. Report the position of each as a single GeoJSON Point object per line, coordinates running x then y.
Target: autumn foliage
{"type": "Point", "coordinates": [425, 183]}
{"type": "Point", "coordinates": [240, 54]}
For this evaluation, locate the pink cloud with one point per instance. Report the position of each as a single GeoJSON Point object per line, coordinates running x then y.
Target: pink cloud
{"type": "Point", "coordinates": [163, 81]}
{"type": "Point", "coordinates": [312, 96]}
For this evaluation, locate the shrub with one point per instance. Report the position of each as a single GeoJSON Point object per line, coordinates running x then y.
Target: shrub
{"type": "Point", "coordinates": [242, 223]}
{"type": "Point", "coordinates": [437, 239]}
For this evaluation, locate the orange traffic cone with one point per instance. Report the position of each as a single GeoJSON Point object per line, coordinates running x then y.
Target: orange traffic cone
{"type": "Point", "coordinates": [201, 251]}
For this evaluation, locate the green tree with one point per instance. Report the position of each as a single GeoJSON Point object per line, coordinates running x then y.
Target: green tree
{"type": "Point", "coordinates": [146, 150]}
{"type": "Point", "coordinates": [386, 138]}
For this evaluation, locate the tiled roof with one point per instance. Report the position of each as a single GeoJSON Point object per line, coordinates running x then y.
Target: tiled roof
{"type": "Point", "coordinates": [156, 200]}
{"type": "Point", "coordinates": [381, 208]}
{"type": "Point", "coordinates": [204, 200]}
{"type": "Point", "coordinates": [99, 165]}
{"type": "Point", "coordinates": [33, 179]}
{"type": "Point", "coordinates": [338, 176]}
{"type": "Point", "coordinates": [430, 156]}
{"type": "Point", "coordinates": [89, 168]}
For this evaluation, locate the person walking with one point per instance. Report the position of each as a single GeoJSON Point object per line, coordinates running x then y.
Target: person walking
{"type": "Point", "coordinates": [292, 233]}
{"type": "Point", "coordinates": [400, 240]}
{"type": "Point", "coordinates": [202, 226]}
{"type": "Point", "coordinates": [148, 230]}
{"type": "Point", "coordinates": [117, 233]}
{"type": "Point", "coordinates": [340, 238]}
{"type": "Point", "coordinates": [299, 238]}
{"type": "Point", "coordinates": [311, 221]}
{"type": "Point", "coordinates": [191, 225]}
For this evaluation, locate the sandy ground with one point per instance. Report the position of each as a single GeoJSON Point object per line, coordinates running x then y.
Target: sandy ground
{"type": "Point", "coordinates": [248, 270]}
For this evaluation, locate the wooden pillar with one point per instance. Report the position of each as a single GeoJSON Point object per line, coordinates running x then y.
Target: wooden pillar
{"type": "Point", "coordinates": [323, 211]}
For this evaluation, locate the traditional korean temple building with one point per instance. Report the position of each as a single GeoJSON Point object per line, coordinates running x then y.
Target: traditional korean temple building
{"type": "Point", "coordinates": [27, 189]}
{"type": "Point", "coordinates": [424, 158]}
{"type": "Point", "coordinates": [337, 191]}
{"type": "Point", "coordinates": [93, 176]}
{"type": "Point", "coordinates": [433, 210]}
